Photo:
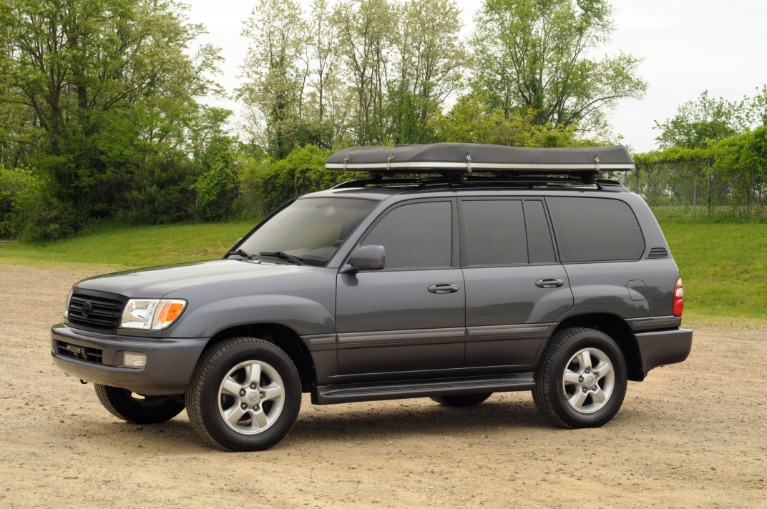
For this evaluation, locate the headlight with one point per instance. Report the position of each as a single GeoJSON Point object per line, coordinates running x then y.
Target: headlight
{"type": "Point", "coordinates": [151, 314]}
{"type": "Point", "coordinates": [66, 305]}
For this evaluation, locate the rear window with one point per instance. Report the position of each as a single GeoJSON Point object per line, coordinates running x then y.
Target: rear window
{"type": "Point", "coordinates": [595, 230]}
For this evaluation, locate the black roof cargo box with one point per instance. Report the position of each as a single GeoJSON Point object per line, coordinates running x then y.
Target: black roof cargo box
{"type": "Point", "coordinates": [469, 157]}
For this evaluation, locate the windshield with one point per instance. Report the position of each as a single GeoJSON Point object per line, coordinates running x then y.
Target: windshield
{"type": "Point", "coordinates": [309, 229]}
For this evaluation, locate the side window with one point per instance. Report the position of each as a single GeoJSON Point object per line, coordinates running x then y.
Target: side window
{"type": "Point", "coordinates": [418, 235]}
{"type": "Point", "coordinates": [495, 232]}
{"type": "Point", "coordinates": [540, 245]}
{"type": "Point", "coordinates": [595, 229]}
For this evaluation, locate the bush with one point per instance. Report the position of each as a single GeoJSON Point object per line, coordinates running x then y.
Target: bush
{"type": "Point", "coordinates": [266, 184]}
{"type": "Point", "coordinates": [47, 218]}
{"type": "Point", "coordinates": [16, 186]}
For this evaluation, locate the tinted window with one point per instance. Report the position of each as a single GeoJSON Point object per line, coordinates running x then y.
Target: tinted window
{"type": "Point", "coordinates": [495, 232]}
{"type": "Point", "coordinates": [595, 229]}
{"type": "Point", "coordinates": [539, 243]}
{"type": "Point", "coordinates": [418, 235]}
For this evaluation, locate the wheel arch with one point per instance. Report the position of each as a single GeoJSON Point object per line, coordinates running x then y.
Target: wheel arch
{"type": "Point", "coordinates": [617, 329]}
{"type": "Point", "coordinates": [280, 335]}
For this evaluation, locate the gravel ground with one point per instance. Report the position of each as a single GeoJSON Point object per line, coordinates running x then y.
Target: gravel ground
{"type": "Point", "coordinates": [691, 435]}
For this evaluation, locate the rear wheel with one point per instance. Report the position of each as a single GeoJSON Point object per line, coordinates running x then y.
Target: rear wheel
{"type": "Point", "coordinates": [462, 400]}
{"type": "Point", "coordinates": [138, 409]}
{"type": "Point", "coordinates": [245, 395]}
{"type": "Point", "coordinates": [581, 380]}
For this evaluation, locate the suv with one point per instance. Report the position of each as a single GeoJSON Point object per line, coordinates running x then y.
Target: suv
{"type": "Point", "coordinates": [452, 272]}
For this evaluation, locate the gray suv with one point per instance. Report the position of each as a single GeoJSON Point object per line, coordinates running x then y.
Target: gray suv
{"type": "Point", "coordinates": [453, 271]}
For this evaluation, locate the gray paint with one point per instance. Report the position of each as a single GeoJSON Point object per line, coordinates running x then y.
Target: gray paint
{"type": "Point", "coordinates": [380, 327]}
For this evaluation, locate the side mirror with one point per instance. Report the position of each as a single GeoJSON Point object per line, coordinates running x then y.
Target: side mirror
{"type": "Point", "coordinates": [365, 258]}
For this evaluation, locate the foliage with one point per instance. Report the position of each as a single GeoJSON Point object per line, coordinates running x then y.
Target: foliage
{"type": "Point", "coordinates": [698, 123]}
{"type": "Point", "coordinates": [535, 56]}
{"type": "Point", "coordinates": [276, 182]}
{"type": "Point", "coordinates": [16, 185]}
{"type": "Point", "coordinates": [360, 72]}
{"type": "Point", "coordinates": [471, 120]}
{"type": "Point", "coordinates": [93, 91]}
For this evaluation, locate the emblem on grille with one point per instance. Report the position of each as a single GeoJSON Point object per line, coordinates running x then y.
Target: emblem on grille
{"type": "Point", "coordinates": [86, 309]}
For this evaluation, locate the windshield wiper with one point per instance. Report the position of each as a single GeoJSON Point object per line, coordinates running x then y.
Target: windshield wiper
{"type": "Point", "coordinates": [241, 252]}
{"type": "Point", "coordinates": [282, 255]}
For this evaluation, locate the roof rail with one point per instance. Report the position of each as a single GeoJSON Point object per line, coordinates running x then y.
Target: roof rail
{"type": "Point", "coordinates": [517, 182]}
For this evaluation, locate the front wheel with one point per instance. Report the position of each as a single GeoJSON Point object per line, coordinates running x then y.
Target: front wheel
{"type": "Point", "coordinates": [581, 380]}
{"type": "Point", "coordinates": [138, 409]}
{"type": "Point", "coordinates": [245, 395]}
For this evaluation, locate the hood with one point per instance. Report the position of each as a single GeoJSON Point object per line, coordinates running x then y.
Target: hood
{"type": "Point", "coordinates": [157, 282]}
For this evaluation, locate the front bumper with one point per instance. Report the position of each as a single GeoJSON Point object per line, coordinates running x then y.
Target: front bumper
{"type": "Point", "coordinates": [97, 358]}
{"type": "Point", "coordinates": [658, 348]}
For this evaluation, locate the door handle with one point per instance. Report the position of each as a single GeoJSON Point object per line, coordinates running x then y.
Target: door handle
{"type": "Point", "coordinates": [549, 283]}
{"type": "Point", "coordinates": [443, 288]}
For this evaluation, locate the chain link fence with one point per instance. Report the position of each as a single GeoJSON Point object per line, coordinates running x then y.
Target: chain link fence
{"type": "Point", "coordinates": [695, 190]}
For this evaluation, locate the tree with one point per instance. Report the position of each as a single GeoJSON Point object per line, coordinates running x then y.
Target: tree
{"type": "Point", "coordinates": [364, 29]}
{"type": "Point", "coordinates": [535, 56]}
{"type": "Point", "coordinates": [429, 68]}
{"type": "Point", "coordinates": [273, 91]}
{"type": "Point", "coordinates": [96, 86]}
{"type": "Point", "coordinates": [472, 120]}
{"type": "Point", "coordinates": [697, 123]}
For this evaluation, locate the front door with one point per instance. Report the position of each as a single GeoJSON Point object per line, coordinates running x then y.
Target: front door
{"type": "Point", "coordinates": [410, 316]}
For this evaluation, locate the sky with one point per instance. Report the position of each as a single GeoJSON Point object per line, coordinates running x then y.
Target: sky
{"type": "Point", "coordinates": [687, 47]}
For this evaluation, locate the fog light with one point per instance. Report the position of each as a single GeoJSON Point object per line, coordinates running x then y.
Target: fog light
{"type": "Point", "coordinates": [134, 360]}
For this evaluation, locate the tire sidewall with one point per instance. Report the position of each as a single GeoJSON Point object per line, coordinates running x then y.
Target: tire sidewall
{"type": "Point", "coordinates": [217, 365]}
{"type": "Point", "coordinates": [580, 340]}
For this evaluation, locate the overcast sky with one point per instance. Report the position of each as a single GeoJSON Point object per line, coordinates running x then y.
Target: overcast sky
{"type": "Point", "coordinates": [688, 46]}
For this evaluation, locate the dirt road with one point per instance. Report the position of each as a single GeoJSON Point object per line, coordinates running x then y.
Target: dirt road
{"type": "Point", "coordinates": [691, 435]}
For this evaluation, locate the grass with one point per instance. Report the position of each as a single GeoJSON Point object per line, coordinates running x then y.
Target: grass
{"type": "Point", "coordinates": [724, 268]}
{"type": "Point", "coordinates": [724, 265]}
{"type": "Point", "coordinates": [133, 246]}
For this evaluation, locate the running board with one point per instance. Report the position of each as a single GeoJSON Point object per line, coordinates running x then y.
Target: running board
{"type": "Point", "coordinates": [330, 394]}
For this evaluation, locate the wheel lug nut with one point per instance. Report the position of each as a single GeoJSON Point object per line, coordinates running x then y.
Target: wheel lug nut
{"type": "Point", "coordinates": [243, 406]}
{"type": "Point", "coordinates": [253, 385]}
{"type": "Point", "coordinates": [242, 392]}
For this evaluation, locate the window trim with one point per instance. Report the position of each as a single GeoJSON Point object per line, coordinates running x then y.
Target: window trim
{"type": "Point", "coordinates": [522, 199]}
{"type": "Point", "coordinates": [454, 245]}
{"type": "Point", "coordinates": [616, 260]}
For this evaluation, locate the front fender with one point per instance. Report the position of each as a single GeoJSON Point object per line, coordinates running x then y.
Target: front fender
{"type": "Point", "coordinates": [302, 315]}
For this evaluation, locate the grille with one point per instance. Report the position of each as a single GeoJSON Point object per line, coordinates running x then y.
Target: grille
{"type": "Point", "coordinates": [78, 352]}
{"type": "Point", "coordinates": [657, 252]}
{"type": "Point", "coordinates": [96, 310]}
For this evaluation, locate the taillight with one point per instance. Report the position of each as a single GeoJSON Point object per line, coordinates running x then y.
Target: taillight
{"type": "Point", "coordinates": [678, 306]}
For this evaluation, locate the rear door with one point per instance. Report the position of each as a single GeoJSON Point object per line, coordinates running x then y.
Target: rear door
{"type": "Point", "coordinates": [515, 287]}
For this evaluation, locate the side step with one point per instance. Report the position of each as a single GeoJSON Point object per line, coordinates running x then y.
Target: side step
{"type": "Point", "coordinates": [330, 394]}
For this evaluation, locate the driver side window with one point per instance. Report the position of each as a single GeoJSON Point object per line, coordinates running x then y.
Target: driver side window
{"type": "Point", "coordinates": [417, 235]}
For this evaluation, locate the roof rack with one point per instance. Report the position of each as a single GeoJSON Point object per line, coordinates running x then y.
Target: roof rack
{"type": "Point", "coordinates": [450, 181]}
{"type": "Point", "coordinates": [458, 161]}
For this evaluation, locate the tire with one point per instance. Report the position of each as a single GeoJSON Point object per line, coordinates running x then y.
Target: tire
{"type": "Point", "coordinates": [581, 379]}
{"type": "Point", "coordinates": [131, 407]}
{"type": "Point", "coordinates": [245, 395]}
{"type": "Point", "coordinates": [462, 400]}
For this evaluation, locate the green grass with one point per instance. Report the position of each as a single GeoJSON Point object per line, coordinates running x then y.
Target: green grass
{"type": "Point", "coordinates": [133, 246]}
{"type": "Point", "coordinates": [724, 265]}
{"type": "Point", "coordinates": [724, 268]}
